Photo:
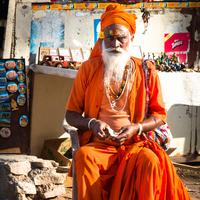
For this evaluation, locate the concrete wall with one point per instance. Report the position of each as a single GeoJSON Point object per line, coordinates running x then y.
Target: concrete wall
{"type": "Point", "coordinates": [184, 123]}
{"type": "Point", "coordinates": [48, 108]}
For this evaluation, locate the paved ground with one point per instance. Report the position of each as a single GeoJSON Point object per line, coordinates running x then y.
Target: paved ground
{"type": "Point", "coordinates": [191, 179]}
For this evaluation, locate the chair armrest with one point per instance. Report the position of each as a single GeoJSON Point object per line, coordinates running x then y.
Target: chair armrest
{"type": "Point", "coordinates": [72, 131]}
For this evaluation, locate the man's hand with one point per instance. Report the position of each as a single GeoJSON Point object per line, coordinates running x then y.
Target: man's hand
{"type": "Point", "coordinates": [126, 133]}
{"type": "Point", "coordinates": [99, 129]}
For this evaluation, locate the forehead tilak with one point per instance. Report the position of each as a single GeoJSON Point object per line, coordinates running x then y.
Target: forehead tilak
{"type": "Point", "coordinates": [116, 29]}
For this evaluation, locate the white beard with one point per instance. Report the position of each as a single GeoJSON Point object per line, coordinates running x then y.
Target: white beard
{"type": "Point", "coordinates": [114, 64]}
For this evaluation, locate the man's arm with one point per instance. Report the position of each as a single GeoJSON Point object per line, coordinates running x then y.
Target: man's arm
{"type": "Point", "coordinates": [77, 120]}
{"type": "Point", "coordinates": [151, 123]}
{"type": "Point", "coordinates": [127, 132]}
{"type": "Point", "coordinates": [156, 104]}
{"type": "Point", "coordinates": [97, 127]}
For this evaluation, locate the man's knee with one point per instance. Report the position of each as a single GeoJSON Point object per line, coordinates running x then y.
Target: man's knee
{"type": "Point", "coordinates": [83, 153]}
{"type": "Point", "coordinates": [148, 157]}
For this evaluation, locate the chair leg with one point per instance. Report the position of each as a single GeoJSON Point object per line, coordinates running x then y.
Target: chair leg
{"type": "Point", "coordinates": [74, 183]}
{"type": "Point", "coordinates": [75, 145]}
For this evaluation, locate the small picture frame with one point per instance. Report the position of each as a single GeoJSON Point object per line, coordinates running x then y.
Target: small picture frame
{"type": "Point", "coordinates": [77, 55]}
{"type": "Point", "coordinates": [42, 52]}
{"type": "Point", "coordinates": [65, 52]}
{"type": "Point", "coordinates": [86, 53]}
{"type": "Point", "coordinates": [53, 51]}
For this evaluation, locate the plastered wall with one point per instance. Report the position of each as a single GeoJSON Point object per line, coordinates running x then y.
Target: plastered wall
{"type": "Point", "coordinates": [184, 123]}
{"type": "Point", "coordinates": [48, 108]}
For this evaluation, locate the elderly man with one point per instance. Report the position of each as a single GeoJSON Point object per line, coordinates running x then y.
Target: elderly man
{"type": "Point", "coordinates": [107, 105]}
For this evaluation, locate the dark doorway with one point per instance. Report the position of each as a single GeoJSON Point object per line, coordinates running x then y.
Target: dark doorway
{"type": "Point", "coordinates": [3, 17]}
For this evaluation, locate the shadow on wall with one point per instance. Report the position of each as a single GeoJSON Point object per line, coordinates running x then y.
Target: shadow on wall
{"type": "Point", "coordinates": [184, 123]}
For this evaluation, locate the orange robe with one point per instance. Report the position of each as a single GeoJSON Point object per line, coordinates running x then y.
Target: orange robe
{"type": "Point", "coordinates": [140, 171]}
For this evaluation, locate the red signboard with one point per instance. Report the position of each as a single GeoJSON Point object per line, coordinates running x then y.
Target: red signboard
{"type": "Point", "coordinates": [177, 43]}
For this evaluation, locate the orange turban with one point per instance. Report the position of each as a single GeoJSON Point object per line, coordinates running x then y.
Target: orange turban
{"type": "Point", "coordinates": [114, 14]}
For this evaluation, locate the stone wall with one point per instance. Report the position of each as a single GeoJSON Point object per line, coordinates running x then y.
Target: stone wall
{"type": "Point", "coordinates": [25, 177]}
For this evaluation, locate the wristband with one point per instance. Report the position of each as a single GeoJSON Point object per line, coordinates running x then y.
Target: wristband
{"type": "Point", "coordinates": [140, 129]}
{"type": "Point", "coordinates": [89, 123]}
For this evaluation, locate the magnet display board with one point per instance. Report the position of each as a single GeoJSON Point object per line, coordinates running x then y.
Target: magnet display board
{"type": "Point", "coordinates": [14, 112]}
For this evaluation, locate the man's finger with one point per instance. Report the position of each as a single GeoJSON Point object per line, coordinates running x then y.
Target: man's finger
{"type": "Point", "coordinates": [101, 134]}
{"type": "Point", "coordinates": [122, 136]}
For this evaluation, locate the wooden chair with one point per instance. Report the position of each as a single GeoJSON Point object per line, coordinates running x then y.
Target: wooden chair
{"type": "Point", "coordinates": [75, 145]}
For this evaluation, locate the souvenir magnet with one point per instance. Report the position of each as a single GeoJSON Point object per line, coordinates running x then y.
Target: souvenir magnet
{"type": "Point", "coordinates": [3, 74]}
{"type": "Point", "coordinates": [3, 84]}
{"type": "Point", "coordinates": [5, 132]}
{"type": "Point", "coordinates": [4, 96]}
{"type": "Point", "coordinates": [5, 121]}
{"type": "Point", "coordinates": [3, 80]}
{"type": "Point", "coordinates": [22, 88]}
{"type": "Point", "coordinates": [23, 121]}
{"type": "Point", "coordinates": [5, 107]}
{"type": "Point", "coordinates": [21, 76]}
{"type": "Point", "coordinates": [5, 117]}
{"type": "Point", "coordinates": [11, 74]}
{"type": "Point", "coordinates": [1, 64]}
{"type": "Point", "coordinates": [2, 68]}
{"type": "Point", "coordinates": [20, 65]}
{"type": "Point", "coordinates": [14, 105]}
{"type": "Point", "coordinates": [12, 87]}
{"type": "Point", "coordinates": [10, 64]}
{"type": "Point", "coordinates": [2, 88]}
{"type": "Point", "coordinates": [21, 100]}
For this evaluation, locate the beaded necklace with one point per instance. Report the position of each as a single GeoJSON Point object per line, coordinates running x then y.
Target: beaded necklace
{"type": "Point", "coordinates": [118, 99]}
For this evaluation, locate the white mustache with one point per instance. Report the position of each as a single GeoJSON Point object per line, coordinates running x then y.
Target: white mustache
{"type": "Point", "coordinates": [118, 49]}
